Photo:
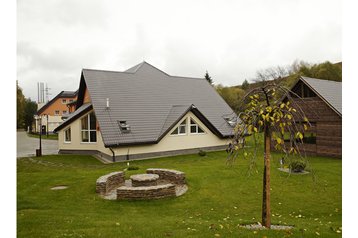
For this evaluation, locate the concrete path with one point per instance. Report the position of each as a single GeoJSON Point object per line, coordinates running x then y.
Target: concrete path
{"type": "Point", "coordinates": [26, 146]}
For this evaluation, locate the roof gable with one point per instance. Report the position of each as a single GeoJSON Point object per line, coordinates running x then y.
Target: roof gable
{"type": "Point", "coordinates": [329, 91]}
{"type": "Point", "coordinates": [62, 94]}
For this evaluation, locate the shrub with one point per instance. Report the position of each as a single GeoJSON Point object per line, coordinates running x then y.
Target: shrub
{"type": "Point", "coordinates": [297, 166]}
{"type": "Point", "coordinates": [202, 153]}
{"type": "Point", "coordinates": [131, 167]}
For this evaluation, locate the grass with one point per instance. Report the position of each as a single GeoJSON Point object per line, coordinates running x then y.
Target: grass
{"type": "Point", "coordinates": [45, 137]}
{"type": "Point", "coordinates": [219, 198]}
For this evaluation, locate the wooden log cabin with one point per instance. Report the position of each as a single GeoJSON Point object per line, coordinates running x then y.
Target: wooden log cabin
{"type": "Point", "coordinates": [321, 101]}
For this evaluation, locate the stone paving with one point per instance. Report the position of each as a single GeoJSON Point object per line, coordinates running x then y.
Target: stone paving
{"type": "Point", "coordinates": [26, 146]}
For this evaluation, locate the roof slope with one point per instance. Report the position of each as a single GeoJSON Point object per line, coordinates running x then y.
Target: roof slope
{"type": "Point", "coordinates": [329, 91]}
{"type": "Point", "coordinates": [150, 101]}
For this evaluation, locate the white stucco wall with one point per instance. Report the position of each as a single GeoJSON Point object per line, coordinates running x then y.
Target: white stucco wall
{"type": "Point", "coordinates": [168, 142]}
{"type": "Point", "coordinates": [52, 123]}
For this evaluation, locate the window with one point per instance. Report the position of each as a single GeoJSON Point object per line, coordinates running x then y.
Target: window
{"type": "Point", "coordinates": [64, 101]}
{"type": "Point", "coordinates": [309, 138]}
{"type": "Point", "coordinates": [181, 129]}
{"type": "Point", "coordinates": [68, 135]}
{"type": "Point", "coordinates": [64, 112]}
{"type": "Point", "coordinates": [71, 100]}
{"type": "Point", "coordinates": [57, 112]}
{"type": "Point", "coordinates": [88, 128]}
{"type": "Point", "coordinates": [124, 127]}
{"type": "Point", "coordinates": [195, 128]}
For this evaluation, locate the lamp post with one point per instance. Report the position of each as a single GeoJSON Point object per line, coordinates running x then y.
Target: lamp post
{"type": "Point", "coordinates": [47, 125]}
{"type": "Point", "coordinates": [39, 151]}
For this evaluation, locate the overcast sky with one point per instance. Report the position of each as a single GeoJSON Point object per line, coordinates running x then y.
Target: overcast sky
{"type": "Point", "coordinates": [231, 39]}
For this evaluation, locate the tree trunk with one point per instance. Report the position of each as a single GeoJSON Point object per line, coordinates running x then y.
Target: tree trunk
{"type": "Point", "coordinates": [266, 207]}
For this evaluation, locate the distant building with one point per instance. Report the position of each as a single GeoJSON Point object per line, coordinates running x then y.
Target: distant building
{"type": "Point", "coordinates": [143, 112]}
{"type": "Point", "coordinates": [321, 101]}
{"type": "Point", "coordinates": [51, 115]}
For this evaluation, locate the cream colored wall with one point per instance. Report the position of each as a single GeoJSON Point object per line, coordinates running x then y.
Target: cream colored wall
{"type": "Point", "coordinates": [177, 142]}
{"type": "Point", "coordinates": [76, 143]}
{"type": "Point", "coordinates": [168, 142]}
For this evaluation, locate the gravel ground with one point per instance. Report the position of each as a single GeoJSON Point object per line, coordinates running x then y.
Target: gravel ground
{"type": "Point", "coordinates": [259, 226]}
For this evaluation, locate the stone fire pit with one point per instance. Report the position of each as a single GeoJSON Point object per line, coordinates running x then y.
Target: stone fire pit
{"type": "Point", "coordinates": [140, 180]}
{"type": "Point", "coordinates": [156, 183]}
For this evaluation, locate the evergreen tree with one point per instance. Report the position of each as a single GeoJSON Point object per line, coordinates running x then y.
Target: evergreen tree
{"type": "Point", "coordinates": [208, 78]}
{"type": "Point", "coordinates": [245, 84]}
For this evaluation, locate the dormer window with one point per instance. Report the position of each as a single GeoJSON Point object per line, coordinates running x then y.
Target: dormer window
{"type": "Point", "coordinates": [124, 127]}
{"type": "Point", "coordinates": [230, 121]}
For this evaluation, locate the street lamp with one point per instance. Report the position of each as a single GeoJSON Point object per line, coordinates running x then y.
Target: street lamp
{"type": "Point", "coordinates": [39, 151]}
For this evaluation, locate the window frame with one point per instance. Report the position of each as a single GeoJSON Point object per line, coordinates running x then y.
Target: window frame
{"type": "Point", "coordinates": [64, 135]}
{"type": "Point", "coordinates": [196, 126]}
{"type": "Point", "coordinates": [181, 125]}
{"type": "Point", "coordinates": [88, 130]}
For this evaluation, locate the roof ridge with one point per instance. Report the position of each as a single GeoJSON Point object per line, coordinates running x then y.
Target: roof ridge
{"type": "Point", "coordinates": [184, 77]}
{"type": "Point", "coordinates": [325, 80]}
{"type": "Point", "coordinates": [112, 71]}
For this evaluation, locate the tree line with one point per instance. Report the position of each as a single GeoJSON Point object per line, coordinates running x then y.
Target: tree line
{"type": "Point", "coordinates": [26, 109]}
{"type": "Point", "coordinates": [285, 76]}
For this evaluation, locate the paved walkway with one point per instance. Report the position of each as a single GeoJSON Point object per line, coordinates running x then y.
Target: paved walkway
{"type": "Point", "coordinates": [26, 146]}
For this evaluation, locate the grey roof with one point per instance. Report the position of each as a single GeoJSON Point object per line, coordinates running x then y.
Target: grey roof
{"type": "Point", "coordinates": [150, 101]}
{"type": "Point", "coordinates": [329, 91]}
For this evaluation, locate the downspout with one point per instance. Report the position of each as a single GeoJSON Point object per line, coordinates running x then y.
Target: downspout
{"type": "Point", "coordinates": [113, 155]}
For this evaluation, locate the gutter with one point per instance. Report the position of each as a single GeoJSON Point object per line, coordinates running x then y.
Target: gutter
{"type": "Point", "coordinates": [113, 155]}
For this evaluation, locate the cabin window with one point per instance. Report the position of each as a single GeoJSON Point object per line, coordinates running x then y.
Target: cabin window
{"type": "Point", "coordinates": [88, 128]}
{"type": "Point", "coordinates": [71, 100]}
{"type": "Point", "coordinates": [64, 112]}
{"type": "Point", "coordinates": [309, 136]}
{"type": "Point", "coordinates": [181, 129]}
{"type": "Point", "coordinates": [64, 101]}
{"type": "Point", "coordinates": [195, 128]}
{"type": "Point", "coordinates": [67, 135]}
{"type": "Point", "coordinates": [57, 112]}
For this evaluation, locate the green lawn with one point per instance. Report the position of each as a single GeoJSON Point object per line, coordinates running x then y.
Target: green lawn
{"type": "Point", "coordinates": [45, 137]}
{"type": "Point", "coordinates": [219, 198]}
